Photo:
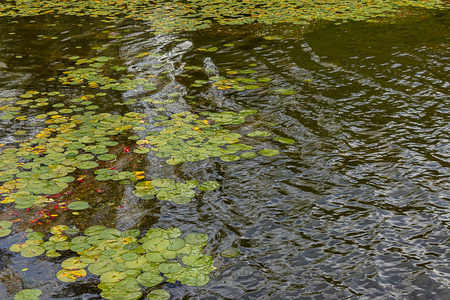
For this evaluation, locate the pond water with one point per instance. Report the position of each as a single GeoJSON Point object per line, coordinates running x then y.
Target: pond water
{"type": "Point", "coordinates": [355, 205]}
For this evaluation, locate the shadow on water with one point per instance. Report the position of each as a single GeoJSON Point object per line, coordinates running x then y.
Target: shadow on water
{"type": "Point", "coordinates": [357, 207]}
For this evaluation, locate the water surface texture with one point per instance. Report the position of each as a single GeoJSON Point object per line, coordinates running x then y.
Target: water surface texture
{"type": "Point", "coordinates": [355, 208]}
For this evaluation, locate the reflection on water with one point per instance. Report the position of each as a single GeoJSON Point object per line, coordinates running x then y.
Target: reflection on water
{"type": "Point", "coordinates": [356, 207]}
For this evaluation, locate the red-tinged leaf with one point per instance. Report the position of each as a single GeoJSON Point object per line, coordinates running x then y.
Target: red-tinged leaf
{"type": "Point", "coordinates": [55, 196]}
{"type": "Point", "coordinates": [28, 209]}
{"type": "Point", "coordinates": [69, 193]}
{"type": "Point", "coordinates": [35, 220]}
{"type": "Point", "coordinates": [120, 206]}
{"type": "Point", "coordinates": [56, 207]}
{"type": "Point", "coordinates": [81, 180]}
{"type": "Point", "coordinates": [113, 168]}
{"type": "Point", "coordinates": [99, 191]}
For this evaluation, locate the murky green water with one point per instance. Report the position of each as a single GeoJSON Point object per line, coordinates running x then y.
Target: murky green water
{"type": "Point", "coordinates": [356, 208]}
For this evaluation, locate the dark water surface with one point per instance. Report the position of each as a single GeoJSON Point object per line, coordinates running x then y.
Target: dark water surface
{"type": "Point", "coordinates": [356, 208]}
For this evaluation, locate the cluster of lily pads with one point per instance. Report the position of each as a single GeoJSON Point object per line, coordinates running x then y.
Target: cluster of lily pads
{"type": "Point", "coordinates": [93, 75]}
{"type": "Point", "coordinates": [197, 14]}
{"type": "Point", "coordinates": [188, 137]}
{"type": "Point", "coordinates": [124, 261]}
{"type": "Point", "coordinates": [168, 190]}
{"type": "Point", "coordinates": [40, 166]}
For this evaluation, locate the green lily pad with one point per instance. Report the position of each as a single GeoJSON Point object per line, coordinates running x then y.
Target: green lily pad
{"type": "Point", "coordinates": [33, 236]}
{"type": "Point", "coordinates": [176, 244]}
{"type": "Point", "coordinates": [87, 165]}
{"type": "Point", "coordinates": [196, 238]}
{"type": "Point", "coordinates": [101, 267]}
{"type": "Point", "coordinates": [149, 279]}
{"type": "Point", "coordinates": [269, 152]}
{"type": "Point", "coordinates": [80, 247]}
{"type": "Point", "coordinates": [78, 205]}
{"type": "Point", "coordinates": [195, 279]}
{"type": "Point", "coordinates": [156, 244]}
{"type": "Point", "coordinates": [159, 294]}
{"type": "Point", "coordinates": [155, 257]}
{"type": "Point", "coordinates": [248, 155]}
{"type": "Point", "coordinates": [170, 267]}
{"type": "Point", "coordinates": [94, 230]}
{"type": "Point", "coordinates": [228, 158]}
{"type": "Point", "coordinates": [107, 157]}
{"type": "Point", "coordinates": [130, 256]}
{"type": "Point", "coordinates": [28, 294]}
{"type": "Point", "coordinates": [4, 232]}
{"type": "Point", "coordinates": [283, 140]}
{"type": "Point", "coordinates": [163, 183]}
{"type": "Point", "coordinates": [209, 185]}
{"type": "Point", "coordinates": [197, 260]}
{"type": "Point", "coordinates": [4, 228]}
{"type": "Point", "coordinates": [112, 276]}
{"type": "Point", "coordinates": [32, 251]}
{"type": "Point", "coordinates": [142, 150]}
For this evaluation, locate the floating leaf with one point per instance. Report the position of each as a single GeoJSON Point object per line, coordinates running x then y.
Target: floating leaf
{"type": "Point", "coordinates": [32, 251]}
{"type": "Point", "coordinates": [269, 152]}
{"type": "Point", "coordinates": [209, 185]}
{"type": "Point", "coordinates": [73, 263]}
{"type": "Point", "coordinates": [28, 294]}
{"type": "Point", "coordinates": [4, 232]}
{"type": "Point", "coordinates": [284, 140]}
{"type": "Point", "coordinates": [196, 238]}
{"type": "Point", "coordinates": [78, 205]}
{"type": "Point", "coordinates": [87, 165]}
{"type": "Point", "coordinates": [228, 158]}
{"type": "Point", "coordinates": [112, 276]}
{"type": "Point", "coordinates": [197, 260]}
{"type": "Point", "coordinates": [248, 155]}
{"type": "Point", "coordinates": [70, 275]}
{"type": "Point", "coordinates": [4, 228]}
{"type": "Point", "coordinates": [149, 279]}
{"type": "Point", "coordinates": [170, 267]}
{"type": "Point", "coordinates": [107, 157]}
{"type": "Point", "coordinates": [159, 295]}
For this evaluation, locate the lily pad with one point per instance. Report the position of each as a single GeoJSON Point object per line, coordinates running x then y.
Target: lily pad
{"type": "Point", "coordinates": [70, 275]}
{"type": "Point", "coordinates": [73, 263]}
{"type": "Point", "coordinates": [112, 276]}
{"type": "Point", "coordinates": [159, 294]}
{"type": "Point", "coordinates": [269, 152]}
{"type": "Point", "coordinates": [248, 155]}
{"type": "Point", "coordinates": [283, 140]}
{"type": "Point", "coordinates": [107, 157]}
{"type": "Point", "coordinates": [78, 205]}
{"type": "Point", "coordinates": [170, 267]}
{"type": "Point", "coordinates": [196, 238]}
{"type": "Point", "coordinates": [87, 165]}
{"type": "Point", "coordinates": [228, 158]}
{"type": "Point", "coordinates": [149, 279]}
{"type": "Point", "coordinates": [28, 294]}
{"type": "Point", "coordinates": [209, 185]}
{"type": "Point", "coordinates": [32, 251]}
